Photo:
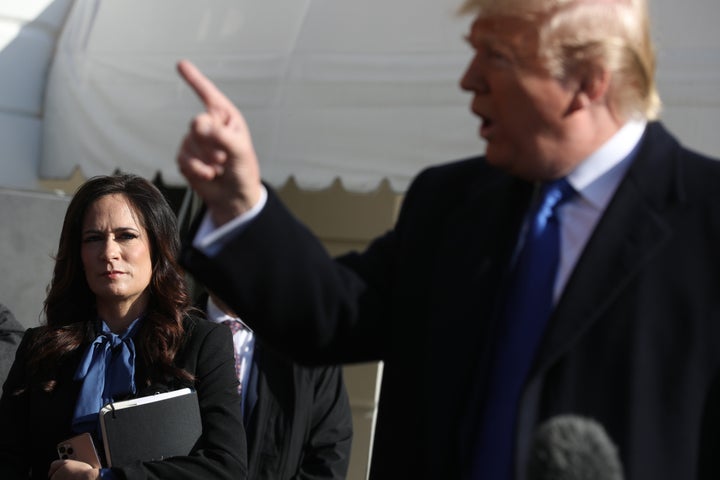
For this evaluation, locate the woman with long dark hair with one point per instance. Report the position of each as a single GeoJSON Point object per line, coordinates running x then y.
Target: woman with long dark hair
{"type": "Point", "coordinates": [118, 325]}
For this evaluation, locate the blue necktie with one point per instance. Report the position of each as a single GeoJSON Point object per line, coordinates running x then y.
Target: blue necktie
{"type": "Point", "coordinates": [527, 309]}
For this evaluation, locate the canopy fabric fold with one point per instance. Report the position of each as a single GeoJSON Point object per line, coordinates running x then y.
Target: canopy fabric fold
{"type": "Point", "coordinates": [331, 89]}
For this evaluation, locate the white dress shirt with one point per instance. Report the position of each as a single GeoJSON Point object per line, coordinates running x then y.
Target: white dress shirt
{"type": "Point", "coordinates": [243, 341]}
{"type": "Point", "coordinates": [595, 180]}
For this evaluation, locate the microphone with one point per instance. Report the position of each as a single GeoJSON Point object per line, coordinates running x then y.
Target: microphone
{"type": "Point", "coordinates": [572, 447]}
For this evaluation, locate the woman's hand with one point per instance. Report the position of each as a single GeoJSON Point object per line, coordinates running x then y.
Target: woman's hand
{"type": "Point", "coordinates": [72, 470]}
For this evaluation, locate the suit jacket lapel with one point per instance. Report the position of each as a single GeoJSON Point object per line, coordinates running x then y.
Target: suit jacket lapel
{"type": "Point", "coordinates": [273, 409]}
{"type": "Point", "coordinates": [630, 233]}
{"type": "Point", "coordinates": [632, 230]}
{"type": "Point", "coordinates": [257, 411]}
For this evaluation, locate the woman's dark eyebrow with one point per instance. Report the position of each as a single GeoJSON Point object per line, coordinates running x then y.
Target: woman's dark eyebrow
{"type": "Point", "coordinates": [118, 229]}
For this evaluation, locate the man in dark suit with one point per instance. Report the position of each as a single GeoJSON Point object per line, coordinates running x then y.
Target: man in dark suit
{"type": "Point", "coordinates": [297, 419]}
{"type": "Point", "coordinates": [566, 95]}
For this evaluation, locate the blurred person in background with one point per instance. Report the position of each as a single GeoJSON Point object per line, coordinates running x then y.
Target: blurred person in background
{"type": "Point", "coordinates": [297, 418]}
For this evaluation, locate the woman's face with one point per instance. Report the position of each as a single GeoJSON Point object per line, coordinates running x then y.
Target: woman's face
{"type": "Point", "coordinates": [116, 254]}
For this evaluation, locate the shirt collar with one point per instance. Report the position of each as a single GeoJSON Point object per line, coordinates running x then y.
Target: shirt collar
{"type": "Point", "coordinates": [596, 178]}
{"type": "Point", "coordinates": [214, 314]}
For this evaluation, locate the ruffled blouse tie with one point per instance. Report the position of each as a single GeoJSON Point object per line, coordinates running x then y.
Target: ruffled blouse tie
{"type": "Point", "coordinates": [107, 371]}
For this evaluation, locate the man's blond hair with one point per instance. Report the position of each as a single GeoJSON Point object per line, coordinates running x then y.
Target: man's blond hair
{"type": "Point", "coordinates": [580, 36]}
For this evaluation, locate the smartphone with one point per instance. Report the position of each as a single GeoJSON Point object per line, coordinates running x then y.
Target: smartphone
{"type": "Point", "coordinates": [81, 448]}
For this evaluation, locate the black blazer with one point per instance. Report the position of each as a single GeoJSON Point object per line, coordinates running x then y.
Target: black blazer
{"type": "Point", "coordinates": [300, 424]}
{"type": "Point", "coordinates": [34, 422]}
{"type": "Point", "coordinates": [633, 341]}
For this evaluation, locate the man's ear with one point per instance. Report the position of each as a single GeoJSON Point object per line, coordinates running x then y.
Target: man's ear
{"type": "Point", "coordinates": [592, 86]}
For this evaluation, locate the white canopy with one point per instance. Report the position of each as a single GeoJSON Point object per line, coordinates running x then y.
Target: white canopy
{"type": "Point", "coordinates": [28, 30]}
{"type": "Point", "coordinates": [360, 90]}
{"type": "Point", "coordinates": [356, 90]}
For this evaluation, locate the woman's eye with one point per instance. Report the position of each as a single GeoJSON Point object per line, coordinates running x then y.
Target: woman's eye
{"type": "Point", "coordinates": [92, 238]}
{"type": "Point", "coordinates": [126, 236]}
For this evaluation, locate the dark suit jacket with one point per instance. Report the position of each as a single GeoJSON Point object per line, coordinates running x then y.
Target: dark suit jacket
{"type": "Point", "coordinates": [633, 341]}
{"type": "Point", "coordinates": [34, 422]}
{"type": "Point", "coordinates": [11, 333]}
{"type": "Point", "coordinates": [300, 425]}
{"type": "Point", "coordinates": [299, 420]}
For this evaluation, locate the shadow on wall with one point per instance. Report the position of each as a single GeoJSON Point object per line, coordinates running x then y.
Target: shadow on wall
{"type": "Point", "coordinates": [28, 240]}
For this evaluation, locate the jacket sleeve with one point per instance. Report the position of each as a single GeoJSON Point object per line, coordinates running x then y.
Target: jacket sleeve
{"type": "Point", "coordinates": [14, 417]}
{"type": "Point", "coordinates": [326, 453]}
{"type": "Point", "coordinates": [279, 279]}
{"type": "Point", "coordinates": [222, 451]}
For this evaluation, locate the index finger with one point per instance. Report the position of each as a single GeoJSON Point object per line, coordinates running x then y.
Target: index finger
{"type": "Point", "coordinates": [204, 88]}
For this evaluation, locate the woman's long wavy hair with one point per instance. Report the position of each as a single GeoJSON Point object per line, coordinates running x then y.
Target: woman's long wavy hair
{"type": "Point", "coordinates": [70, 309]}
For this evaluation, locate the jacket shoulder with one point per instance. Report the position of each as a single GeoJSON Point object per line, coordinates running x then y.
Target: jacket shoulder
{"type": "Point", "coordinates": [452, 174]}
{"type": "Point", "coordinates": [202, 338]}
{"type": "Point", "coordinates": [198, 329]}
{"type": "Point", "coordinates": [440, 189]}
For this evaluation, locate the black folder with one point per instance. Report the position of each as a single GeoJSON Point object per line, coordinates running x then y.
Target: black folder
{"type": "Point", "coordinates": [150, 428]}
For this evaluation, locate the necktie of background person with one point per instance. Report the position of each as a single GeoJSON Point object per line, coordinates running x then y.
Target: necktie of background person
{"type": "Point", "coordinates": [243, 355]}
{"type": "Point", "coordinates": [528, 306]}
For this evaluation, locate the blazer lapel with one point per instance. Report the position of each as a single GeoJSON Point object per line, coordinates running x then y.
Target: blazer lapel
{"type": "Point", "coordinates": [272, 412]}
{"type": "Point", "coordinates": [632, 230]}
{"type": "Point", "coordinates": [630, 233]}
{"type": "Point", "coordinates": [257, 411]}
